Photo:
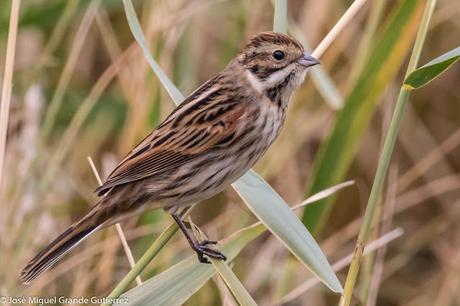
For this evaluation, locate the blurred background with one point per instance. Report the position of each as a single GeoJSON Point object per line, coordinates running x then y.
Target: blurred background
{"type": "Point", "coordinates": [83, 88]}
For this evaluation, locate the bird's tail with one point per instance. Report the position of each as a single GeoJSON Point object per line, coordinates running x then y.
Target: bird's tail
{"type": "Point", "coordinates": [69, 239]}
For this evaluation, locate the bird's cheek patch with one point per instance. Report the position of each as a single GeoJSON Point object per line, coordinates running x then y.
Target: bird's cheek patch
{"type": "Point", "coordinates": [254, 81]}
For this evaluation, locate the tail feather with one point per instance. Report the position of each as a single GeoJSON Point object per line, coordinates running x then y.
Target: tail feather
{"type": "Point", "coordinates": [56, 249]}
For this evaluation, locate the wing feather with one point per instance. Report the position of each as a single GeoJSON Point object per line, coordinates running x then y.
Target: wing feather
{"type": "Point", "coordinates": [179, 139]}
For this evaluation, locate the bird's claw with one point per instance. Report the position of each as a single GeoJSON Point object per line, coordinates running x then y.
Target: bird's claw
{"type": "Point", "coordinates": [202, 249]}
{"type": "Point", "coordinates": [206, 242]}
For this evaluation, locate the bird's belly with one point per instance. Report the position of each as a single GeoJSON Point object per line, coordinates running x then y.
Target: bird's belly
{"type": "Point", "coordinates": [207, 180]}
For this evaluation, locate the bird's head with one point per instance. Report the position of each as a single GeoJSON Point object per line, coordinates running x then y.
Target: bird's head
{"type": "Point", "coordinates": [274, 61]}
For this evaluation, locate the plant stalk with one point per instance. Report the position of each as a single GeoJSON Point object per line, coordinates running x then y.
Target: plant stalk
{"type": "Point", "coordinates": [280, 18]}
{"type": "Point", "coordinates": [385, 158]}
{"type": "Point", "coordinates": [8, 81]}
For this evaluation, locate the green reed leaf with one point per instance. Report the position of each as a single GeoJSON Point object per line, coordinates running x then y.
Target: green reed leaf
{"type": "Point", "coordinates": [428, 72]}
{"type": "Point", "coordinates": [275, 214]}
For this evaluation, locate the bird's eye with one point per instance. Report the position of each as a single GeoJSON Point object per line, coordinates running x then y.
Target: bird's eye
{"type": "Point", "coordinates": [278, 55]}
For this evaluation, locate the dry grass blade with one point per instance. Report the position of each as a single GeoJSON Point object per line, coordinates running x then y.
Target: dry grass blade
{"type": "Point", "coordinates": [8, 84]}
{"type": "Point", "coordinates": [429, 160]}
{"type": "Point", "coordinates": [324, 194]}
{"type": "Point", "coordinates": [338, 28]}
{"type": "Point", "coordinates": [320, 77]}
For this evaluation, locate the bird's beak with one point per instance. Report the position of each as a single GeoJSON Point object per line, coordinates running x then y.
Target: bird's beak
{"type": "Point", "coordinates": [307, 60]}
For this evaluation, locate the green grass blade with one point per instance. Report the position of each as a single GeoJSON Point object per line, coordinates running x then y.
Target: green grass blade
{"type": "Point", "coordinates": [384, 61]}
{"type": "Point", "coordinates": [427, 73]}
{"type": "Point", "coordinates": [270, 208]}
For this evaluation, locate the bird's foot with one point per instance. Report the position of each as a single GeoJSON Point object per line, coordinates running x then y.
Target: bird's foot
{"type": "Point", "coordinates": [203, 249]}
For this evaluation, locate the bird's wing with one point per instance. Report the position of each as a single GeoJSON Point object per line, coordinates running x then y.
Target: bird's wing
{"type": "Point", "coordinates": [193, 128]}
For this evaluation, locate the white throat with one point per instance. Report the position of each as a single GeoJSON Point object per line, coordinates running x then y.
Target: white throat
{"type": "Point", "coordinates": [254, 81]}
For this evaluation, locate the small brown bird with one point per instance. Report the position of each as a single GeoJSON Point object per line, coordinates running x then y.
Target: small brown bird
{"type": "Point", "coordinates": [205, 144]}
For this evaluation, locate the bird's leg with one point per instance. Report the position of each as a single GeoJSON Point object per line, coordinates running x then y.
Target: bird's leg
{"type": "Point", "coordinates": [201, 248]}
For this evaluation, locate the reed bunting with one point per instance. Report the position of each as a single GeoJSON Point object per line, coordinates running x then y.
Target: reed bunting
{"type": "Point", "coordinates": [209, 141]}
